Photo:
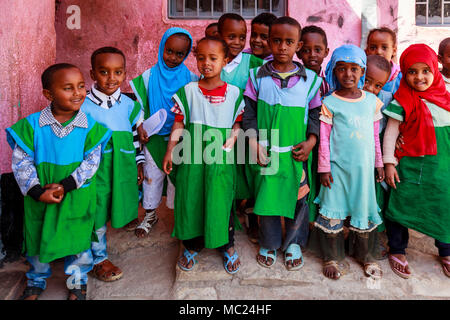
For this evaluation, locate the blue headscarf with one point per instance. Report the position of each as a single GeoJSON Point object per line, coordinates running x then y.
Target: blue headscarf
{"type": "Point", "coordinates": [164, 82]}
{"type": "Point", "coordinates": [346, 53]}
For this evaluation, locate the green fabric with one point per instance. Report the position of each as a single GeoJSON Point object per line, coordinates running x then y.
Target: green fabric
{"type": "Point", "coordinates": [53, 231]}
{"type": "Point", "coordinates": [117, 194]}
{"type": "Point", "coordinates": [140, 89]}
{"type": "Point", "coordinates": [205, 186]}
{"type": "Point", "coordinates": [421, 200]}
{"type": "Point", "coordinates": [239, 75]}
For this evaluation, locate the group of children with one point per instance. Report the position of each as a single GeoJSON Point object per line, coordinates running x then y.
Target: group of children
{"type": "Point", "coordinates": [339, 152]}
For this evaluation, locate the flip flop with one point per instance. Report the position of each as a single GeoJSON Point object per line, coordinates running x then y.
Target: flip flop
{"type": "Point", "coordinates": [189, 257]}
{"type": "Point", "coordinates": [231, 260]}
{"type": "Point", "coordinates": [445, 262]}
{"type": "Point", "coordinates": [373, 266]}
{"type": "Point", "coordinates": [265, 253]}
{"type": "Point", "coordinates": [296, 253]}
{"type": "Point", "coordinates": [403, 275]}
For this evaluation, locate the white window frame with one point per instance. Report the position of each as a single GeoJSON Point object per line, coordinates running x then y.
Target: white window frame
{"type": "Point", "coordinates": [228, 4]}
{"type": "Point", "coordinates": [426, 3]}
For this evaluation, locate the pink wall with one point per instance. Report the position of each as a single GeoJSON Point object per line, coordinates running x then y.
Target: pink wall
{"type": "Point", "coordinates": [28, 46]}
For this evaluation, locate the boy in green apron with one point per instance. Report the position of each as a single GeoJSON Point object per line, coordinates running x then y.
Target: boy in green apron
{"type": "Point", "coordinates": [56, 153]}
{"type": "Point", "coordinates": [281, 106]}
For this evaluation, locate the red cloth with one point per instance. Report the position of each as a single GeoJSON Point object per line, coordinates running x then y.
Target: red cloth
{"type": "Point", "coordinates": [417, 128]}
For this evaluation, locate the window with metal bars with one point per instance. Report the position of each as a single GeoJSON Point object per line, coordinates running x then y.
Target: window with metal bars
{"type": "Point", "coordinates": [213, 9]}
{"type": "Point", "coordinates": [432, 12]}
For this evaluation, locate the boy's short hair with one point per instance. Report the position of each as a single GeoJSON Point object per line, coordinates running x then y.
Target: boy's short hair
{"type": "Point", "coordinates": [222, 42]}
{"type": "Point", "coordinates": [47, 75]}
{"type": "Point", "coordinates": [225, 16]}
{"type": "Point", "coordinates": [106, 50]}
{"type": "Point", "coordinates": [443, 45]}
{"type": "Point", "coordinates": [385, 30]}
{"type": "Point", "coordinates": [380, 62]}
{"type": "Point", "coordinates": [265, 18]}
{"type": "Point", "coordinates": [287, 20]}
{"type": "Point", "coordinates": [214, 24]}
{"type": "Point", "coordinates": [316, 29]}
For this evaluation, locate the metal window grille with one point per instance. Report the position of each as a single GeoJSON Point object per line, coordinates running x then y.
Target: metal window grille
{"type": "Point", "coordinates": [213, 9]}
{"type": "Point", "coordinates": [432, 12]}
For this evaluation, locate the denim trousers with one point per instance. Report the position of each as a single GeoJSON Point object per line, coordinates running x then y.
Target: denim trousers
{"type": "Point", "coordinates": [398, 237]}
{"type": "Point", "coordinates": [99, 252]}
{"type": "Point", "coordinates": [76, 266]}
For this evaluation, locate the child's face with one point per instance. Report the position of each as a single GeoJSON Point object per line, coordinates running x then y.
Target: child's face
{"type": "Point", "coordinates": [109, 72]}
{"type": "Point", "coordinates": [313, 51]}
{"type": "Point", "coordinates": [348, 74]}
{"type": "Point", "coordinates": [212, 31]}
{"type": "Point", "coordinates": [381, 44]}
{"type": "Point", "coordinates": [67, 91]}
{"type": "Point", "coordinates": [259, 40]}
{"type": "Point", "coordinates": [419, 76]}
{"type": "Point", "coordinates": [234, 33]}
{"type": "Point", "coordinates": [175, 50]}
{"type": "Point", "coordinates": [210, 58]}
{"type": "Point", "coordinates": [284, 42]}
{"type": "Point", "coordinates": [375, 79]}
{"type": "Point", "coordinates": [445, 59]}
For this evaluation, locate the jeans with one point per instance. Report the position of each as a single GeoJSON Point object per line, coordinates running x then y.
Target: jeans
{"type": "Point", "coordinates": [398, 237]}
{"type": "Point", "coordinates": [76, 266]}
{"type": "Point", "coordinates": [99, 252]}
{"type": "Point", "coordinates": [297, 229]}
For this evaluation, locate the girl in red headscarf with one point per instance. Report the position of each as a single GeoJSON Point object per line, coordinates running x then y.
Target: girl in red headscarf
{"type": "Point", "coordinates": [419, 172]}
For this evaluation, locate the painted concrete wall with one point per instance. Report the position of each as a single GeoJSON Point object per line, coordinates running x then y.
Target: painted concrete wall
{"type": "Point", "coordinates": [28, 46]}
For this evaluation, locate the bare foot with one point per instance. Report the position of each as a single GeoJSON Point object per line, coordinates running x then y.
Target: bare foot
{"type": "Point", "coordinates": [292, 263]}
{"type": "Point", "coordinates": [183, 261]}
{"type": "Point", "coordinates": [401, 268]}
{"type": "Point", "coordinates": [267, 261]}
{"type": "Point", "coordinates": [236, 264]}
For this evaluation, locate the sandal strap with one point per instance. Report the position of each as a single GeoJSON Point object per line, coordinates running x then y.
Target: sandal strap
{"type": "Point", "coordinates": [149, 221]}
{"type": "Point", "coordinates": [105, 267]}
{"type": "Point", "coordinates": [31, 291]}
{"type": "Point", "coordinates": [265, 253]}
{"type": "Point", "coordinates": [231, 258]}
{"type": "Point", "coordinates": [403, 264]}
{"type": "Point", "coordinates": [78, 292]}
{"type": "Point", "coordinates": [445, 261]}
{"type": "Point", "coordinates": [295, 251]}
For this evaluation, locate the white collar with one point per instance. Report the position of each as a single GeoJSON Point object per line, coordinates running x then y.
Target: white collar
{"type": "Point", "coordinates": [233, 63]}
{"type": "Point", "coordinates": [101, 99]}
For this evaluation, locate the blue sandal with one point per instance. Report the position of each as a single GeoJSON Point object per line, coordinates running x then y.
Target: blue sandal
{"type": "Point", "coordinates": [296, 253]}
{"type": "Point", "coordinates": [189, 257]}
{"type": "Point", "coordinates": [265, 253]}
{"type": "Point", "coordinates": [231, 260]}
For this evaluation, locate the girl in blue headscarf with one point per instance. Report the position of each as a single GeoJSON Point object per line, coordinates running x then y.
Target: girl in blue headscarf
{"type": "Point", "coordinates": [154, 90]}
{"type": "Point", "coordinates": [349, 150]}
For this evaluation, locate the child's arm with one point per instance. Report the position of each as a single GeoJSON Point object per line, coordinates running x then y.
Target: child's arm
{"type": "Point", "coordinates": [229, 143]}
{"type": "Point", "coordinates": [26, 176]}
{"type": "Point", "coordinates": [140, 158]}
{"type": "Point", "coordinates": [324, 167]}
{"type": "Point", "coordinates": [177, 131]}
{"type": "Point", "coordinates": [390, 136]}
{"type": "Point", "coordinates": [85, 171]}
{"type": "Point", "coordinates": [378, 156]}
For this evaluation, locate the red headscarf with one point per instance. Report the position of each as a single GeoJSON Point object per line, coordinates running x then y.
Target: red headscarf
{"type": "Point", "coordinates": [417, 128]}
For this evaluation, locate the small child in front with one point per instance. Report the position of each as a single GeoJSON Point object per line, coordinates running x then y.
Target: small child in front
{"type": "Point", "coordinates": [154, 90]}
{"type": "Point", "coordinates": [418, 172]}
{"type": "Point", "coordinates": [282, 99]}
{"type": "Point", "coordinates": [118, 175]}
{"type": "Point", "coordinates": [56, 153]}
{"type": "Point", "coordinates": [349, 151]}
{"type": "Point", "coordinates": [206, 176]}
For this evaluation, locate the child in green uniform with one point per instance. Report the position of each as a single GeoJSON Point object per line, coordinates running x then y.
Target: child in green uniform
{"type": "Point", "coordinates": [418, 172]}
{"type": "Point", "coordinates": [117, 177]}
{"type": "Point", "coordinates": [207, 110]}
{"type": "Point", "coordinates": [56, 154]}
{"type": "Point", "coordinates": [282, 99]}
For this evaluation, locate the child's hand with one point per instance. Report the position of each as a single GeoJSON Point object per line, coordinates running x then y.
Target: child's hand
{"type": "Point", "coordinates": [391, 175]}
{"type": "Point", "coordinates": [261, 154]}
{"type": "Point", "coordinates": [143, 138]}
{"type": "Point", "coordinates": [399, 142]}
{"type": "Point", "coordinates": [59, 189]}
{"type": "Point", "coordinates": [229, 143]}
{"type": "Point", "coordinates": [326, 179]}
{"type": "Point", "coordinates": [301, 151]}
{"type": "Point", "coordinates": [167, 162]}
{"type": "Point", "coordinates": [49, 195]}
{"type": "Point", "coordinates": [140, 171]}
{"type": "Point", "coordinates": [380, 174]}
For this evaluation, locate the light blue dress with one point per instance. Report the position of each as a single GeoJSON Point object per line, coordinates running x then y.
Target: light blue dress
{"type": "Point", "coordinates": [352, 160]}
